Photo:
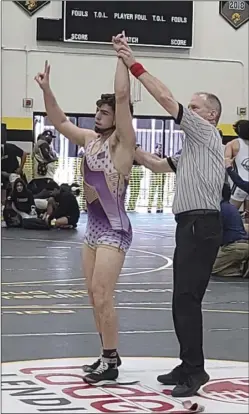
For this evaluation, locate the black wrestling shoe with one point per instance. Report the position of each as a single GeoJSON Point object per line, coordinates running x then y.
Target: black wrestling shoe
{"type": "Point", "coordinates": [190, 384]}
{"type": "Point", "coordinates": [172, 378]}
{"type": "Point", "coordinates": [96, 364]}
{"type": "Point", "coordinates": [103, 375]}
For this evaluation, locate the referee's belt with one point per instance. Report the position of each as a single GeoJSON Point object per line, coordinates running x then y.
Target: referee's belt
{"type": "Point", "coordinates": [203, 212]}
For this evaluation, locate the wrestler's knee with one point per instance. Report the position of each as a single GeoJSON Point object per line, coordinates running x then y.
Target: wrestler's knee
{"type": "Point", "coordinates": [101, 297]}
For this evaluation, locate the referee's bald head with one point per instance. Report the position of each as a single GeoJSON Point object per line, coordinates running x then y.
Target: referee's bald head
{"type": "Point", "coordinates": [206, 105]}
{"type": "Point", "coordinates": [213, 102]}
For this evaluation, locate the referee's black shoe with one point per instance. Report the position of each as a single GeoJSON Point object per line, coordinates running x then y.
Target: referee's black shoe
{"type": "Point", "coordinates": [188, 385]}
{"type": "Point", "coordinates": [172, 378]}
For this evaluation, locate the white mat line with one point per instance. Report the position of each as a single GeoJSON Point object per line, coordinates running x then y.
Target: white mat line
{"type": "Point", "coordinates": [121, 332]}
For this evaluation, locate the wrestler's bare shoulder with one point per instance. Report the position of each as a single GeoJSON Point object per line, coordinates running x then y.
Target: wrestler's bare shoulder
{"type": "Point", "coordinates": [89, 136]}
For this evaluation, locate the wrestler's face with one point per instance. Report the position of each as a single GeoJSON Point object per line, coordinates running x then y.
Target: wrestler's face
{"type": "Point", "coordinates": [104, 118]}
{"type": "Point", "coordinates": [199, 104]}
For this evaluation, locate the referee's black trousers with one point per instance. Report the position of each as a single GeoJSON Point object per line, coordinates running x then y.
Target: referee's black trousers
{"type": "Point", "coordinates": [198, 237]}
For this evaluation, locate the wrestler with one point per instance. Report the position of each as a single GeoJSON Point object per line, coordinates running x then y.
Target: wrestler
{"type": "Point", "coordinates": [107, 162]}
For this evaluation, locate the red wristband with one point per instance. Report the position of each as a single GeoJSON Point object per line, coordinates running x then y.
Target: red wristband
{"type": "Point", "coordinates": [137, 69]}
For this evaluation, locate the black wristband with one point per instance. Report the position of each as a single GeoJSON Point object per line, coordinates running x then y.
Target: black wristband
{"type": "Point", "coordinates": [171, 164]}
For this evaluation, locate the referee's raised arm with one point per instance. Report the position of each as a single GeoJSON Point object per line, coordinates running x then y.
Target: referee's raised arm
{"type": "Point", "coordinates": [198, 121]}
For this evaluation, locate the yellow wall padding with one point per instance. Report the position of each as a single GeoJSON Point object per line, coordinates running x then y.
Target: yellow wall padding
{"type": "Point", "coordinates": [227, 129]}
{"type": "Point", "coordinates": [18, 123]}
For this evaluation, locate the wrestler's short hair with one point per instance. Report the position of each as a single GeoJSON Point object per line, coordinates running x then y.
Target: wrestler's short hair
{"type": "Point", "coordinates": [109, 99]}
{"type": "Point", "coordinates": [214, 103]}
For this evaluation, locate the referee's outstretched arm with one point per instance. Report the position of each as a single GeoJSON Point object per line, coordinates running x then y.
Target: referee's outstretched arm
{"type": "Point", "coordinates": [157, 165]}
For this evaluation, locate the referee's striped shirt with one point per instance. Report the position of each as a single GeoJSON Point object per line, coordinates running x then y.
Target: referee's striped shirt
{"type": "Point", "coordinates": [200, 172]}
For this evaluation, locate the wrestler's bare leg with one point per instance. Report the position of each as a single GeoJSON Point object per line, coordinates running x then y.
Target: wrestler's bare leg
{"type": "Point", "coordinates": [88, 263]}
{"type": "Point", "coordinates": [108, 266]}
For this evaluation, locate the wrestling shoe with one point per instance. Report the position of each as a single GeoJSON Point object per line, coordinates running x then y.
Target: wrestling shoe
{"type": "Point", "coordinates": [103, 375]}
{"type": "Point", "coordinates": [96, 364]}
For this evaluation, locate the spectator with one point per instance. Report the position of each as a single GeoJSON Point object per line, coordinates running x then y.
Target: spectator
{"type": "Point", "coordinates": [10, 165]}
{"type": "Point", "coordinates": [22, 198]}
{"type": "Point", "coordinates": [44, 160]}
{"type": "Point", "coordinates": [233, 254]}
{"type": "Point", "coordinates": [157, 181]}
{"type": "Point", "coordinates": [63, 209]}
{"type": "Point", "coordinates": [238, 151]}
{"type": "Point", "coordinates": [136, 176]}
{"type": "Point", "coordinates": [235, 177]}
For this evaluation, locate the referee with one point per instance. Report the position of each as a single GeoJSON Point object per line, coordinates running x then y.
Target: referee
{"type": "Point", "coordinates": [200, 177]}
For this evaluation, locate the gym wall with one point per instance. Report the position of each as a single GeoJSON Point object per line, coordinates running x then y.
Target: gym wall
{"type": "Point", "coordinates": [218, 62]}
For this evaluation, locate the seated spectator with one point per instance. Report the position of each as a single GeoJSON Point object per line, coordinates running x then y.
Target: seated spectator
{"type": "Point", "coordinates": [10, 216]}
{"type": "Point", "coordinates": [233, 255]}
{"type": "Point", "coordinates": [41, 198]}
{"type": "Point", "coordinates": [49, 186]}
{"type": "Point", "coordinates": [63, 209]}
{"type": "Point", "coordinates": [22, 198]}
{"type": "Point", "coordinates": [10, 155]}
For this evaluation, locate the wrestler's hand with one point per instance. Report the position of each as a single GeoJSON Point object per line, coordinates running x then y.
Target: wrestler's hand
{"type": "Point", "coordinates": [42, 78]}
{"type": "Point", "coordinates": [116, 41]}
{"type": "Point", "coordinates": [126, 54]}
{"type": "Point", "coordinates": [123, 49]}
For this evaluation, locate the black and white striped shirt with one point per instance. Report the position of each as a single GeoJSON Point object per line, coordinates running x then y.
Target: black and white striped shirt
{"type": "Point", "coordinates": [200, 166]}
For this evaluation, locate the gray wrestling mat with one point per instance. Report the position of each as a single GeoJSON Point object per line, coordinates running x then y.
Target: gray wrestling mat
{"type": "Point", "coordinates": [46, 315]}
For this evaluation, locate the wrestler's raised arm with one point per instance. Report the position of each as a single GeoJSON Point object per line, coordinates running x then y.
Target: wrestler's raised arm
{"type": "Point", "coordinates": [125, 133]}
{"type": "Point", "coordinates": [75, 134]}
{"type": "Point", "coordinates": [153, 85]}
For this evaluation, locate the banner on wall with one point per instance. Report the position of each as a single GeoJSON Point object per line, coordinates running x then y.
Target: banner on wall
{"type": "Point", "coordinates": [31, 6]}
{"type": "Point", "coordinates": [236, 13]}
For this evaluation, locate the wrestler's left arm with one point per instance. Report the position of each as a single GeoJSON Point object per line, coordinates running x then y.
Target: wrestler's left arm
{"type": "Point", "coordinates": [126, 137]}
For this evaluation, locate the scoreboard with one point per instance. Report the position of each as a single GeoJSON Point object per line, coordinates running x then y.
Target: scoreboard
{"type": "Point", "coordinates": [146, 23]}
